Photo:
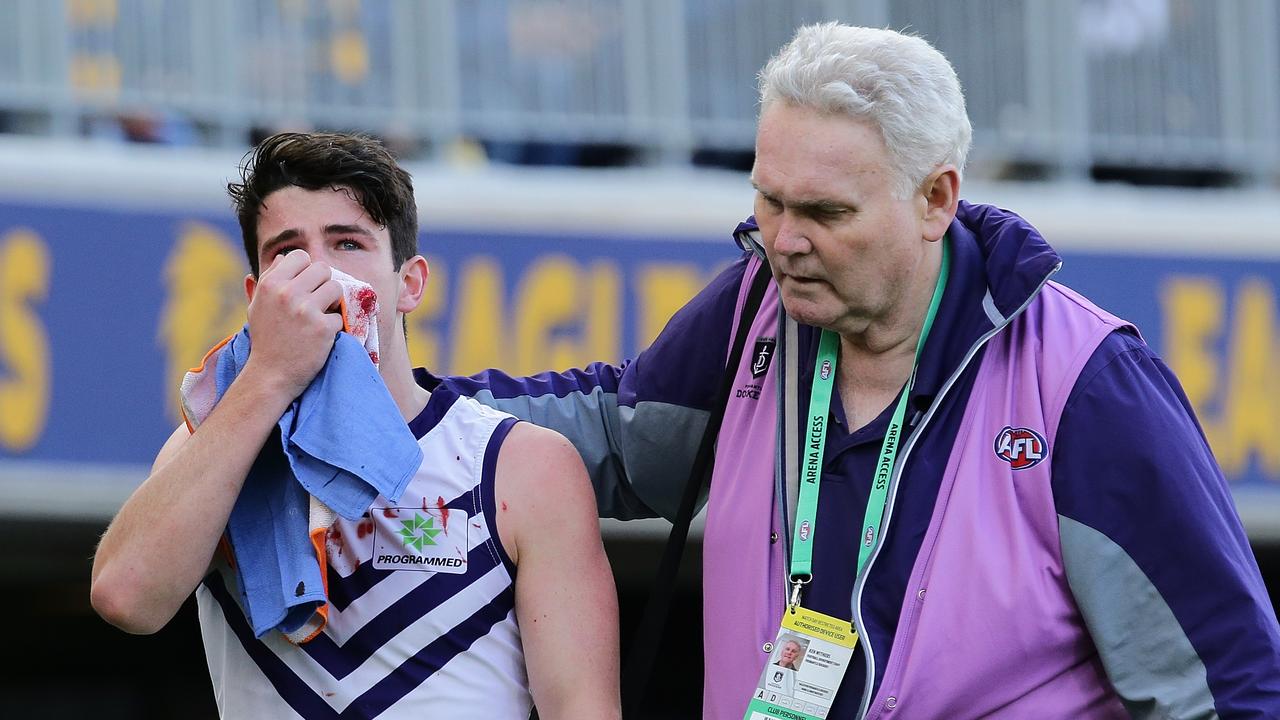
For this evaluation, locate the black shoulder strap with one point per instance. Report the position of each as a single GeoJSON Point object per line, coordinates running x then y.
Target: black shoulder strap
{"type": "Point", "coordinates": [644, 649]}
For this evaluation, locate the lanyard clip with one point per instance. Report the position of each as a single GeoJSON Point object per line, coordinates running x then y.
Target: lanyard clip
{"type": "Point", "coordinates": [797, 582]}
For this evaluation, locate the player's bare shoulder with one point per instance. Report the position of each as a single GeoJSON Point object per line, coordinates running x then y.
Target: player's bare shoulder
{"type": "Point", "coordinates": [540, 481]}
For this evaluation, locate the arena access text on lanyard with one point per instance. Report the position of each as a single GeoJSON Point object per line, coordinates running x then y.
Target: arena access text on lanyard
{"type": "Point", "coordinates": [824, 378]}
{"type": "Point", "coordinates": [813, 650]}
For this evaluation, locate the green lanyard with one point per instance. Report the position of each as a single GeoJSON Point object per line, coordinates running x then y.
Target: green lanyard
{"type": "Point", "coordinates": [815, 440]}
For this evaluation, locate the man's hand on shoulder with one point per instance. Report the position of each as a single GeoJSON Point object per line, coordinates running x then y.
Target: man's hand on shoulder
{"type": "Point", "coordinates": [566, 603]}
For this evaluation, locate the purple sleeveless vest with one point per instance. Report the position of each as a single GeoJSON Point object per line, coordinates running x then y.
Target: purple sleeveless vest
{"type": "Point", "coordinates": [988, 626]}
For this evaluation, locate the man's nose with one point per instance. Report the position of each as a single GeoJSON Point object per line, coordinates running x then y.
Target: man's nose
{"type": "Point", "coordinates": [792, 236]}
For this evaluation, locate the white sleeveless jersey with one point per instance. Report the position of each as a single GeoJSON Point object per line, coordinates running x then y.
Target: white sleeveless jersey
{"type": "Point", "coordinates": [421, 619]}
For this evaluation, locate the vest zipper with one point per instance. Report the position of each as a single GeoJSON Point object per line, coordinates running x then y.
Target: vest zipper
{"type": "Point", "coordinates": [860, 582]}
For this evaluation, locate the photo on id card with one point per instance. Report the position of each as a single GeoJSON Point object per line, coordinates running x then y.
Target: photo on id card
{"type": "Point", "coordinates": [804, 671]}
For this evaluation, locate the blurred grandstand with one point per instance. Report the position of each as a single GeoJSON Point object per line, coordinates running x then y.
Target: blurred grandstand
{"type": "Point", "coordinates": [578, 164]}
{"type": "Point", "coordinates": [1061, 89]}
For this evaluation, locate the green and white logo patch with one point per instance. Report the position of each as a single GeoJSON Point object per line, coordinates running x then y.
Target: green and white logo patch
{"type": "Point", "coordinates": [419, 531]}
{"type": "Point", "coordinates": [422, 539]}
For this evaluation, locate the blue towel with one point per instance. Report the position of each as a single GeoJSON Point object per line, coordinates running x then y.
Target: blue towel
{"type": "Point", "coordinates": [343, 441]}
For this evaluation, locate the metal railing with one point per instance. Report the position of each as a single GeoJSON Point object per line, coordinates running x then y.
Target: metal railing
{"type": "Point", "coordinates": [1192, 84]}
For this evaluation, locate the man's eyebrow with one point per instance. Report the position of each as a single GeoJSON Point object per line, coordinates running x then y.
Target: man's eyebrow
{"type": "Point", "coordinates": [347, 230]}
{"type": "Point", "coordinates": [819, 206]}
{"type": "Point", "coordinates": [284, 236]}
{"type": "Point", "coordinates": [806, 206]}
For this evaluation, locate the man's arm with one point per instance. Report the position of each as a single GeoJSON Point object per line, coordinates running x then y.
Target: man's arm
{"type": "Point", "coordinates": [566, 603]}
{"type": "Point", "coordinates": [637, 425]}
{"type": "Point", "coordinates": [140, 575]}
{"type": "Point", "coordinates": [1154, 550]}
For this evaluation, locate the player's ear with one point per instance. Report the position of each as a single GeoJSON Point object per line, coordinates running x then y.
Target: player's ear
{"type": "Point", "coordinates": [413, 284]}
{"type": "Point", "coordinates": [250, 285]}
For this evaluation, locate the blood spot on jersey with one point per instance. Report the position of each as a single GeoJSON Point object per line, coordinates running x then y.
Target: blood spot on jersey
{"type": "Point", "coordinates": [1022, 448]}
{"type": "Point", "coordinates": [364, 528]}
{"type": "Point", "coordinates": [444, 513]}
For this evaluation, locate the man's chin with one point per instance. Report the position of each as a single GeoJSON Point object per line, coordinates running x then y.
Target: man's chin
{"type": "Point", "coordinates": [807, 312]}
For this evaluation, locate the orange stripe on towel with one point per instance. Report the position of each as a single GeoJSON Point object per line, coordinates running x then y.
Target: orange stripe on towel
{"type": "Point", "coordinates": [322, 556]}
{"type": "Point", "coordinates": [199, 369]}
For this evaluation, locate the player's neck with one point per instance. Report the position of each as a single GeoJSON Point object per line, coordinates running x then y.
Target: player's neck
{"type": "Point", "coordinates": [397, 373]}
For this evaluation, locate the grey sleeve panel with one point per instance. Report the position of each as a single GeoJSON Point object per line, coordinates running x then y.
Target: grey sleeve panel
{"type": "Point", "coordinates": [1144, 650]}
{"type": "Point", "coordinates": [661, 440]}
{"type": "Point", "coordinates": [638, 458]}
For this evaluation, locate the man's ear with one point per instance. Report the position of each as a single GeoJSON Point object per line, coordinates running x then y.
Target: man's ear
{"type": "Point", "coordinates": [941, 192]}
{"type": "Point", "coordinates": [250, 285]}
{"type": "Point", "coordinates": [413, 284]}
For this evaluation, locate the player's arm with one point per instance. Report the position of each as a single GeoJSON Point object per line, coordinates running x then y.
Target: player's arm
{"type": "Point", "coordinates": [566, 603]}
{"type": "Point", "coordinates": [159, 545]}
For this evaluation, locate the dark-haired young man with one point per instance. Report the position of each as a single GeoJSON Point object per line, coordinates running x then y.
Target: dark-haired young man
{"type": "Point", "coordinates": [399, 641]}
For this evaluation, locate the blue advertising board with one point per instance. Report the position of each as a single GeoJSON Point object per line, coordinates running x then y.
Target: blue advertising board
{"type": "Point", "coordinates": [101, 311]}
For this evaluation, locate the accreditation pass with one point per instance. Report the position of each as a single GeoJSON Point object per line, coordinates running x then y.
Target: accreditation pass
{"type": "Point", "coordinates": [809, 659]}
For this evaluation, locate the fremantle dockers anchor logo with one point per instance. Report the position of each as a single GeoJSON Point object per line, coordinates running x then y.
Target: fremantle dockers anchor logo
{"type": "Point", "coordinates": [761, 356]}
{"type": "Point", "coordinates": [1021, 447]}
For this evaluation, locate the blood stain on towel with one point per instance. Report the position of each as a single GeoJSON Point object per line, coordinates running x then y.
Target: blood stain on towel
{"type": "Point", "coordinates": [373, 355]}
{"type": "Point", "coordinates": [388, 512]}
{"type": "Point", "coordinates": [368, 300]}
{"type": "Point", "coordinates": [364, 528]}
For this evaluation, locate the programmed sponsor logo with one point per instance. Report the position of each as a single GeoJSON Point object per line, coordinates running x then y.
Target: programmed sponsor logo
{"type": "Point", "coordinates": [422, 539]}
{"type": "Point", "coordinates": [420, 561]}
{"type": "Point", "coordinates": [419, 531]}
{"type": "Point", "coordinates": [1021, 447]}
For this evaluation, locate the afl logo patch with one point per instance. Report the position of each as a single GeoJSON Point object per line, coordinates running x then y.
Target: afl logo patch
{"type": "Point", "coordinates": [825, 371]}
{"type": "Point", "coordinates": [804, 531]}
{"type": "Point", "coordinates": [1021, 447]}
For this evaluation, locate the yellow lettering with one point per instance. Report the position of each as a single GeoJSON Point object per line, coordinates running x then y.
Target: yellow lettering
{"type": "Point", "coordinates": [1194, 309]}
{"type": "Point", "coordinates": [1250, 413]}
{"type": "Point", "coordinates": [603, 331]}
{"type": "Point", "coordinates": [204, 303]}
{"type": "Point", "coordinates": [547, 299]}
{"type": "Point", "coordinates": [479, 332]}
{"type": "Point", "coordinates": [663, 289]}
{"type": "Point", "coordinates": [24, 342]}
{"type": "Point", "coordinates": [563, 322]}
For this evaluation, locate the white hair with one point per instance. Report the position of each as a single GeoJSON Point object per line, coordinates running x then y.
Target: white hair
{"type": "Point", "coordinates": [898, 83]}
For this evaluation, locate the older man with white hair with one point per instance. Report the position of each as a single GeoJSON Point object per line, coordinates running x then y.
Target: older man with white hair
{"type": "Point", "coordinates": [998, 484]}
